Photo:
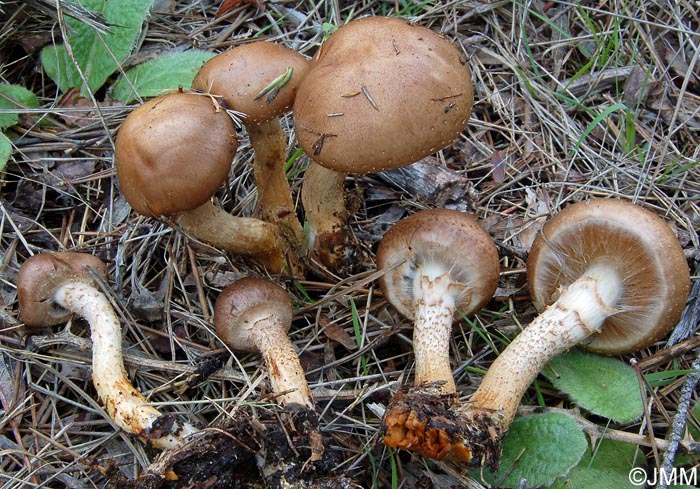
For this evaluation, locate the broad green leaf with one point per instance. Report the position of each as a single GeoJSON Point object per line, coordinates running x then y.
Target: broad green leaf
{"type": "Point", "coordinates": [162, 73]}
{"type": "Point", "coordinates": [608, 467]}
{"type": "Point", "coordinates": [13, 97]}
{"type": "Point", "coordinates": [5, 151]}
{"type": "Point", "coordinates": [602, 385]}
{"type": "Point", "coordinates": [538, 448]}
{"type": "Point", "coordinates": [98, 55]}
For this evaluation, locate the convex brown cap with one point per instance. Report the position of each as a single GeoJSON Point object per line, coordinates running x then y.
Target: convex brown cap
{"type": "Point", "coordinates": [446, 238]}
{"type": "Point", "coordinates": [639, 246]}
{"type": "Point", "coordinates": [382, 93]}
{"type": "Point", "coordinates": [173, 153]}
{"type": "Point", "coordinates": [240, 75]}
{"type": "Point", "coordinates": [244, 305]}
{"type": "Point", "coordinates": [39, 278]}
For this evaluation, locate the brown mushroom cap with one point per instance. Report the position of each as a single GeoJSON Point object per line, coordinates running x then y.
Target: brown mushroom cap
{"type": "Point", "coordinates": [242, 306]}
{"type": "Point", "coordinates": [446, 237]}
{"type": "Point", "coordinates": [240, 74]}
{"type": "Point", "coordinates": [41, 275]}
{"type": "Point", "coordinates": [173, 152]}
{"type": "Point", "coordinates": [638, 245]}
{"type": "Point", "coordinates": [382, 93]}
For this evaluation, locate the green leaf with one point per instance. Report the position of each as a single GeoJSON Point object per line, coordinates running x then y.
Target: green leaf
{"type": "Point", "coordinates": [98, 55]}
{"type": "Point", "coordinates": [602, 385]}
{"type": "Point", "coordinates": [14, 97]}
{"type": "Point", "coordinates": [608, 467]}
{"type": "Point", "coordinates": [5, 151]}
{"type": "Point", "coordinates": [538, 448]}
{"type": "Point", "coordinates": [152, 77]}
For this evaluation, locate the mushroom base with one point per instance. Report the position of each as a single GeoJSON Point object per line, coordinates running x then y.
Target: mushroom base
{"type": "Point", "coordinates": [271, 448]}
{"type": "Point", "coordinates": [436, 426]}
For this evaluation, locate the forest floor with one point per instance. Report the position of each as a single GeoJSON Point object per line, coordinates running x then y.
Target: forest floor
{"type": "Point", "coordinates": [573, 100]}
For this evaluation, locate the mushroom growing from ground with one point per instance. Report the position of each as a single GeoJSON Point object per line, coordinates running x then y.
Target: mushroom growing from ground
{"type": "Point", "coordinates": [608, 275]}
{"type": "Point", "coordinates": [172, 154]}
{"type": "Point", "coordinates": [438, 262]}
{"type": "Point", "coordinates": [51, 287]}
{"type": "Point", "coordinates": [259, 80]}
{"type": "Point", "coordinates": [380, 93]}
{"type": "Point", "coordinates": [254, 314]}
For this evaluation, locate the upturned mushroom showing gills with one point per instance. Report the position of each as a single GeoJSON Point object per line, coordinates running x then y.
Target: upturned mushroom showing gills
{"type": "Point", "coordinates": [259, 80]}
{"type": "Point", "coordinates": [51, 288]}
{"type": "Point", "coordinates": [438, 262]}
{"type": "Point", "coordinates": [254, 314]}
{"type": "Point", "coordinates": [172, 154]}
{"type": "Point", "coordinates": [380, 93]}
{"type": "Point", "coordinates": [608, 275]}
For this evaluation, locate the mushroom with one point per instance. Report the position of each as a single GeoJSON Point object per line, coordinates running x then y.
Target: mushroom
{"type": "Point", "coordinates": [254, 314]}
{"type": "Point", "coordinates": [172, 154]}
{"type": "Point", "coordinates": [51, 287]}
{"type": "Point", "coordinates": [380, 93]}
{"type": "Point", "coordinates": [260, 80]}
{"type": "Point", "coordinates": [608, 275]}
{"type": "Point", "coordinates": [438, 262]}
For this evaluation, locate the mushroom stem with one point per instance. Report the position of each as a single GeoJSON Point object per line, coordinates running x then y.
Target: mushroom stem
{"type": "Point", "coordinates": [274, 194]}
{"type": "Point", "coordinates": [282, 362]}
{"type": "Point", "coordinates": [240, 235]}
{"type": "Point", "coordinates": [578, 313]}
{"type": "Point", "coordinates": [127, 406]}
{"type": "Point", "coordinates": [433, 326]}
{"type": "Point", "coordinates": [323, 197]}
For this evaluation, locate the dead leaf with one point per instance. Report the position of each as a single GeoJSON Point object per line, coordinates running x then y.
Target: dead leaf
{"type": "Point", "coordinates": [228, 5]}
{"type": "Point", "coordinates": [339, 335]}
{"type": "Point", "coordinates": [82, 112]}
{"type": "Point", "coordinates": [537, 212]}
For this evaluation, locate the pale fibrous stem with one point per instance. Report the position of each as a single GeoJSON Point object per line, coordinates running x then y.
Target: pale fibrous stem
{"type": "Point", "coordinates": [237, 235]}
{"type": "Point", "coordinates": [126, 406]}
{"type": "Point", "coordinates": [282, 361]}
{"type": "Point", "coordinates": [578, 313]}
{"type": "Point", "coordinates": [435, 307]}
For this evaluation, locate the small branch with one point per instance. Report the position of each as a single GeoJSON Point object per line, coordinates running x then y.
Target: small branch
{"type": "Point", "coordinates": [431, 182]}
{"type": "Point", "coordinates": [65, 337]}
{"type": "Point", "coordinates": [595, 431]}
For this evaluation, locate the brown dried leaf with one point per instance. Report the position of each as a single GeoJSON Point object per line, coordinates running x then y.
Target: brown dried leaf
{"type": "Point", "coordinates": [339, 335]}
{"type": "Point", "coordinates": [83, 111]}
{"type": "Point", "coordinates": [228, 5]}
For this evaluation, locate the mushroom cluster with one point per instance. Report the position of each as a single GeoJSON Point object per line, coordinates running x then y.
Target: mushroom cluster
{"type": "Point", "coordinates": [174, 152]}
{"type": "Point", "coordinates": [379, 94]}
{"type": "Point", "coordinates": [259, 81]}
{"type": "Point", "coordinates": [609, 276]}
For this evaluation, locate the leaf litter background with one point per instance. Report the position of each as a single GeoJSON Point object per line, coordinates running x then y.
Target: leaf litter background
{"type": "Point", "coordinates": [573, 100]}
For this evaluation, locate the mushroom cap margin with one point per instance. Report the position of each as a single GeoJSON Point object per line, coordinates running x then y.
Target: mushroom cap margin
{"type": "Point", "coordinates": [247, 305]}
{"type": "Point", "coordinates": [448, 237]}
{"type": "Point", "coordinates": [645, 252]}
{"type": "Point", "coordinates": [42, 274]}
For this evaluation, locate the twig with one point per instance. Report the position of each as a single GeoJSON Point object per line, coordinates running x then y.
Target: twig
{"type": "Point", "coordinates": [65, 337]}
{"type": "Point", "coordinates": [687, 325]}
{"type": "Point", "coordinates": [595, 431]}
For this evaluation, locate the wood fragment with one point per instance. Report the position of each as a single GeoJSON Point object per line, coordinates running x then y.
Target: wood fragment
{"type": "Point", "coordinates": [432, 183]}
